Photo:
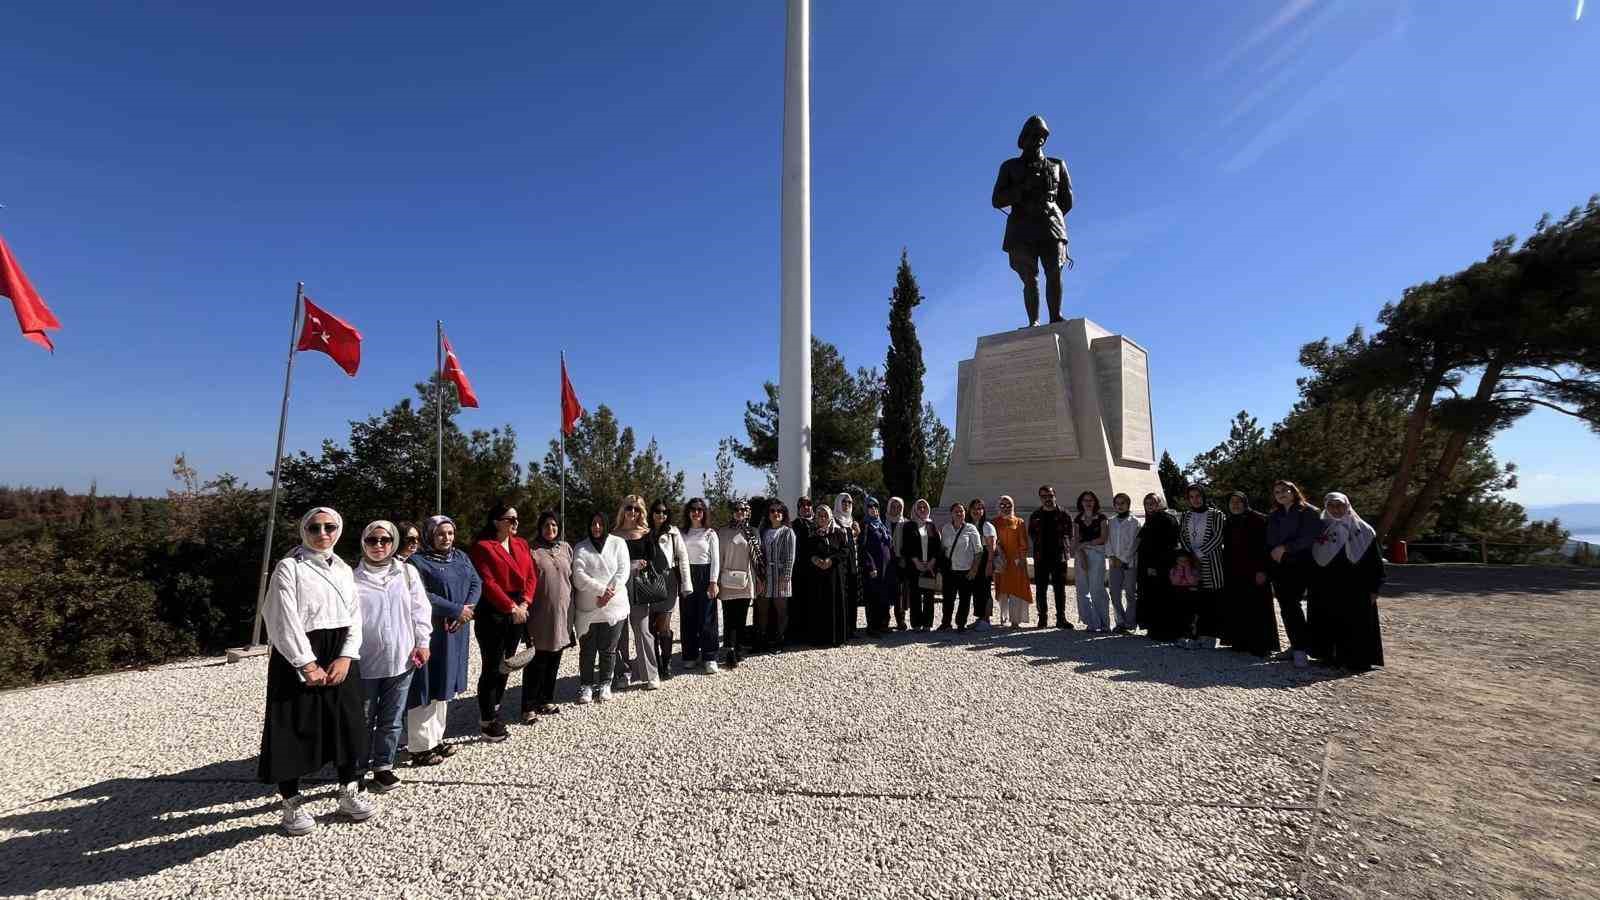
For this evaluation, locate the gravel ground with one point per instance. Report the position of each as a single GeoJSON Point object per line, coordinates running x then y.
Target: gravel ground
{"type": "Point", "coordinates": [1027, 763]}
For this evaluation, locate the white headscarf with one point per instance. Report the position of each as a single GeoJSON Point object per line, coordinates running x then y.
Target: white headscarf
{"type": "Point", "coordinates": [890, 516]}
{"type": "Point", "coordinates": [840, 520]}
{"type": "Point", "coordinates": [305, 522]}
{"type": "Point", "coordinates": [833, 523]}
{"type": "Point", "coordinates": [389, 566]}
{"type": "Point", "coordinates": [1348, 532]}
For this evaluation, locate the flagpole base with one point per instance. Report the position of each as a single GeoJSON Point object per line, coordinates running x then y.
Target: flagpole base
{"type": "Point", "coordinates": [235, 654]}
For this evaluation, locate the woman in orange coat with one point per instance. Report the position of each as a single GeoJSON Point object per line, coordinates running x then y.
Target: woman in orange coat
{"type": "Point", "coordinates": [1011, 564]}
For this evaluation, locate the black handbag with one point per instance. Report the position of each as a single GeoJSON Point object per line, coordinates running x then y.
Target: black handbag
{"type": "Point", "coordinates": [649, 586]}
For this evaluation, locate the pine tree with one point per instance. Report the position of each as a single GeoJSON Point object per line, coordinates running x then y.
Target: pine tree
{"type": "Point", "coordinates": [1172, 481]}
{"type": "Point", "coordinates": [900, 426]}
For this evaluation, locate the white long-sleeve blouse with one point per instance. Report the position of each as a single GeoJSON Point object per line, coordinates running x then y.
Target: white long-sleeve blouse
{"type": "Point", "coordinates": [396, 618]}
{"type": "Point", "coordinates": [704, 549]}
{"type": "Point", "coordinates": [310, 592]}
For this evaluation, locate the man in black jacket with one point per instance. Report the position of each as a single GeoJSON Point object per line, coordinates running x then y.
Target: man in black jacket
{"type": "Point", "coordinates": [1048, 531]}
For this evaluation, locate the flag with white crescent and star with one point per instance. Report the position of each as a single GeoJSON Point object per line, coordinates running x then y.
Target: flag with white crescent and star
{"type": "Point", "coordinates": [452, 371]}
{"type": "Point", "coordinates": [327, 333]}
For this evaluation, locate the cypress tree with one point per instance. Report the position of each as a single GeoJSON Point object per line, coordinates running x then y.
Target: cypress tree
{"type": "Point", "coordinates": [900, 423]}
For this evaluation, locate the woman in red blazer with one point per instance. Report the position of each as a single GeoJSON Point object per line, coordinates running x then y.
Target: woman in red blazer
{"type": "Point", "coordinates": [505, 564]}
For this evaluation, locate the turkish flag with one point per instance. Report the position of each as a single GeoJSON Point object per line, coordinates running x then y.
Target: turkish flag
{"type": "Point", "coordinates": [32, 315]}
{"type": "Point", "coordinates": [326, 332]}
{"type": "Point", "coordinates": [571, 409]}
{"type": "Point", "coordinates": [452, 371]}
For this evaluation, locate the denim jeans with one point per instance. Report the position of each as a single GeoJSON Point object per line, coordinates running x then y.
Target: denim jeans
{"type": "Point", "coordinates": [386, 709]}
{"type": "Point", "coordinates": [1124, 581]}
{"type": "Point", "coordinates": [1094, 606]}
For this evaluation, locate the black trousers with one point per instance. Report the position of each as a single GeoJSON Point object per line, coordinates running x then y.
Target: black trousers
{"type": "Point", "coordinates": [983, 597]}
{"type": "Point", "coordinates": [1043, 579]}
{"type": "Point", "coordinates": [539, 681]}
{"type": "Point", "coordinates": [957, 598]}
{"type": "Point", "coordinates": [921, 602]}
{"type": "Point", "coordinates": [291, 788]}
{"type": "Point", "coordinates": [734, 615]}
{"type": "Point", "coordinates": [1289, 584]}
{"type": "Point", "coordinates": [498, 639]}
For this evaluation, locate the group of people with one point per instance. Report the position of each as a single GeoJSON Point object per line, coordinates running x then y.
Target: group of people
{"type": "Point", "coordinates": [365, 657]}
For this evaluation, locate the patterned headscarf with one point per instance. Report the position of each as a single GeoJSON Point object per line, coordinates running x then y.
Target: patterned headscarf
{"type": "Point", "coordinates": [1348, 532]}
{"type": "Point", "coordinates": [429, 529]}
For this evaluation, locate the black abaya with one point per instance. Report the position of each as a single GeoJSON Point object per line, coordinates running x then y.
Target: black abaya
{"type": "Point", "coordinates": [830, 604]}
{"type": "Point", "coordinates": [1343, 616]}
{"type": "Point", "coordinates": [1249, 620]}
{"type": "Point", "coordinates": [1158, 543]}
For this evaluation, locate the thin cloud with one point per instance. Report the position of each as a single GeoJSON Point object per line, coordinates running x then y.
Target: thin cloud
{"type": "Point", "coordinates": [1283, 18]}
{"type": "Point", "coordinates": [1309, 103]}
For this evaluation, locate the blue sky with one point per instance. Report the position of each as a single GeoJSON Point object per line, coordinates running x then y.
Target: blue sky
{"type": "Point", "coordinates": [603, 178]}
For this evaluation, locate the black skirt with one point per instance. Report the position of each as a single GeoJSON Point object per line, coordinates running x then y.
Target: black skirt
{"type": "Point", "coordinates": [310, 727]}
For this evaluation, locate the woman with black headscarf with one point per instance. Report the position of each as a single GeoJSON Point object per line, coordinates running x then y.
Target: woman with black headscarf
{"type": "Point", "coordinates": [1249, 623]}
{"type": "Point", "coordinates": [1201, 531]}
{"type": "Point", "coordinates": [1157, 549]}
{"type": "Point", "coordinates": [548, 629]}
{"type": "Point", "coordinates": [316, 708]}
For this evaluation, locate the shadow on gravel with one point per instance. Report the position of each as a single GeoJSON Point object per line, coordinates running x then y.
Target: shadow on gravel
{"type": "Point", "coordinates": [126, 828]}
{"type": "Point", "coordinates": [1446, 579]}
{"type": "Point", "coordinates": [1133, 658]}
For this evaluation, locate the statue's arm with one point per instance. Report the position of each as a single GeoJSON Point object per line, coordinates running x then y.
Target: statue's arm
{"type": "Point", "coordinates": [1064, 191]}
{"type": "Point", "coordinates": [1002, 189]}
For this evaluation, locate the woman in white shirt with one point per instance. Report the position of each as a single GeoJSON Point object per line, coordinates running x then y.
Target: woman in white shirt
{"type": "Point", "coordinates": [1121, 543]}
{"type": "Point", "coordinates": [699, 605]}
{"type": "Point", "coordinates": [962, 549]}
{"type": "Point", "coordinates": [396, 624]}
{"type": "Point", "coordinates": [314, 712]}
{"type": "Point", "coordinates": [600, 570]}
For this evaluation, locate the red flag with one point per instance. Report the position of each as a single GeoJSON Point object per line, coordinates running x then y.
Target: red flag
{"type": "Point", "coordinates": [571, 409]}
{"type": "Point", "coordinates": [32, 315]}
{"type": "Point", "coordinates": [326, 332]}
{"type": "Point", "coordinates": [452, 371]}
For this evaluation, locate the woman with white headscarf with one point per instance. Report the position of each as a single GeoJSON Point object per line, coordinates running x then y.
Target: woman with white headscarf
{"type": "Point", "coordinates": [1343, 611]}
{"type": "Point", "coordinates": [453, 588]}
{"type": "Point", "coordinates": [314, 712]}
{"type": "Point", "coordinates": [844, 519]}
{"type": "Point", "coordinates": [396, 622]}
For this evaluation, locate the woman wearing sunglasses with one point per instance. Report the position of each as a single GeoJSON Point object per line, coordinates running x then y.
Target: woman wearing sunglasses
{"type": "Point", "coordinates": [670, 540]}
{"type": "Point", "coordinates": [505, 563]}
{"type": "Point", "coordinates": [314, 712]}
{"type": "Point", "coordinates": [408, 542]}
{"type": "Point", "coordinates": [699, 607]}
{"type": "Point", "coordinates": [643, 552]}
{"type": "Point", "coordinates": [396, 623]}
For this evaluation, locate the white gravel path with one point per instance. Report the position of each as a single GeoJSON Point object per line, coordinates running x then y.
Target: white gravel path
{"type": "Point", "coordinates": [1013, 764]}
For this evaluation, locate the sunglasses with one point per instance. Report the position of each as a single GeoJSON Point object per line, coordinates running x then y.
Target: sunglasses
{"type": "Point", "coordinates": [376, 541]}
{"type": "Point", "coordinates": [322, 528]}
{"type": "Point", "coordinates": [658, 512]}
{"type": "Point", "coordinates": [697, 509]}
{"type": "Point", "coordinates": [631, 509]}
{"type": "Point", "coordinates": [512, 519]}
{"type": "Point", "coordinates": [411, 539]}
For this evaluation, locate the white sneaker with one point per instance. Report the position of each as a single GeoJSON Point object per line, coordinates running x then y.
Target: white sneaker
{"type": "Point", "coordinates": [585, 695]}
{"type": "Point", "coordinates": [1301, 660]}
{"type": "Point", "coordinates": [354, 805]}
{"type": "Point", "coordinates": [296, 821]}
{"type": "Point", "coordinates": [711, 667]}
{"type": "Point", "coordinates": [605, 694]}
{"type": "Point", "coordinates": [653, 684]}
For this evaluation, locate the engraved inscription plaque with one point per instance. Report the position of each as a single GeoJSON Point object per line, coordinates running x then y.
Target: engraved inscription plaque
{"type": "Point", "coordinates": [1138, 440]}
{"type": "Point", "coordinates": [1022, 410]}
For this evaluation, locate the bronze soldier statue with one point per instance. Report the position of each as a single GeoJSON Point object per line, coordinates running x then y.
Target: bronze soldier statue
{"type": "Point", "coordinates": [1039, 192]}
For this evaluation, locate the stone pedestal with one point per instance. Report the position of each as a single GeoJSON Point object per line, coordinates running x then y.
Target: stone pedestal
{"type": "Point", "coordinates": [1065, 404]}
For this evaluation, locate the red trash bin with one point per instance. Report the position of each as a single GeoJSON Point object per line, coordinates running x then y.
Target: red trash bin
{"type": "Point", "coordinates": [1397, 552]}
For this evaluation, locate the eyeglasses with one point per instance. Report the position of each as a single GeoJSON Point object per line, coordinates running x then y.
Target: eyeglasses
{"type": "Point", "coordinates": [322, 528]}
{"type": "Point", "coordinates": [377, 541]}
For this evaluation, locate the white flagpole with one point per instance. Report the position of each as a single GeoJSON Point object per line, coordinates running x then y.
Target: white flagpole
{"type": "Point", "coordinates": [438, 409]}
{"type": "Point", "coordinates": [561, 438]}
{"type": "Point", "coordinates": [277, 464]}
{"type": "Point", "coordinates": [794, 342]}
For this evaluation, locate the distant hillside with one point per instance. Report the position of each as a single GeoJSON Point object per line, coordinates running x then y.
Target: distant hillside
{"type": "Point", "coordinates": [1581, 518]}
